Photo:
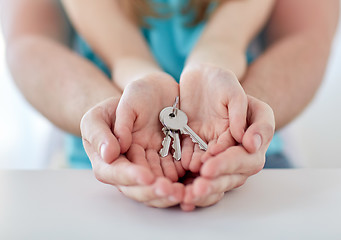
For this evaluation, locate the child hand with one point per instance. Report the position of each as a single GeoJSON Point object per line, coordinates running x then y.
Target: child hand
{"type": "Point", "coordinates": [137, 125]}
{"type": "Point", "coordinates": [216, 106]}
{"type": "Point", "coordinates": [110, 167]}
{"type": "Point", "coordinates": [230, 168]}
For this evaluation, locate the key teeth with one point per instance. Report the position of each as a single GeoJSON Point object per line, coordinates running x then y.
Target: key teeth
{"type": "Point", "coordinates": [161, 152]}
{"type": "Point", "coordinates": [202, 148]}
{"type": "Point", "coordinates": [175, 156]}
{"type": "Point", "coordinates": [195, 141]}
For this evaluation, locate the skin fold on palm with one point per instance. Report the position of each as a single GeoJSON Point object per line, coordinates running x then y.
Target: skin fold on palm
{"type": "Point", "coordinates": [230, 168]}
{"type": "Point", "coordinates": [216, 106]}
{"type": "Point", "coordinates": [138, 128]}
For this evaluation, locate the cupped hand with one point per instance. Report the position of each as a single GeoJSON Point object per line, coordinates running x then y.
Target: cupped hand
{"type": "Point", "coordinates": [111, 167]}
{"type": "Point", "coordinates": [138, 127]}
{"type": "Point", "coordinates": [216, 106]}
{"type": "Point", "coordinates": [230, 168]}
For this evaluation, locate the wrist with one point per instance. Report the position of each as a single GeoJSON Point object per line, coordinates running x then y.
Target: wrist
{"type": "Point", "coordinates": [160, 87]}
{"type": "Point", "coordinates": [207, 72]}
{"type": "Point", "coordinates": [220, 55]}
{"type": "Point", "coordinates": [158, 81]}
{"type": "Point", "coordinates": [129, 69]}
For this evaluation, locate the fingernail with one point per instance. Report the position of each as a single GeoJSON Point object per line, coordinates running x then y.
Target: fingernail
{"type": "Point", "coordinates": [258, 141]}
{"type": "Point", "coordinates": [102, 149]}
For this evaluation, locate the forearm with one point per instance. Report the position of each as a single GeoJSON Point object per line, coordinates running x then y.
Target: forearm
{"type": "Point", "coordinates": [288, 75]}
{"type": "Point", "coordinates": [56, 81]}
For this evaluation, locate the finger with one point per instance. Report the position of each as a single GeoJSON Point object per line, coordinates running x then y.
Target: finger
{"type": "Point", "coordinates": [203, 187]}
{"type": "Point", "coordinates": [125, 118]}
{"type": "Point", "coordinates": [234, 160]}
{"type": "Point", "coordinates": [187, 207]}
{"type": "Point", "coordinates": [186, 152]}
{"type": "Point", "coordinates": [120, 172]}
{"type": "Point", "coordinates": [196, 163]}
{"type": "Point", "coordinates": [173, 199]}
{"type": "Point", "coordinates": [189, 196]}
{"type": "Point", "coordinates": [96, 130]}
{"type": "Point", "coordinates": [162, 203]}
{"type": "Point", "coordinates": [154, 162]}
{"type": "Point", "coordinates": [137, 155]}
{"type": "Point", "coordinates": [262, 126]}
{"type": "Point", "coordinates": [191, 199]}
{"type": "Point", "coordinates": [209, 200]}
{"type": "Point", "coordinates": [168, 167]}
{"type": "Point", "coordinates": [237, 108]}
{"type": "Point", "coordinates": [162, 188]}
{"type": "Point", "coordinates": [179, 169]}
{"type": "Point", "coordinates": [224, 141]}
{"type": "Point", "coordinates": [208, 154]}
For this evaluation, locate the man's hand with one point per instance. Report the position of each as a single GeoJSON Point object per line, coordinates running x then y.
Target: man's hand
{"type": "Point", "coordinates": [137, 125]}
{"type": "Point", "coordinates": [135, 181]}
{"type": "Point", "coordinates": [216, 106]}
{"type": "Point", "coordinates": [230, 168]}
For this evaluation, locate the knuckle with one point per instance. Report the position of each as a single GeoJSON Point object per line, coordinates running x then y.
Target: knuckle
{"type": "Point", "coordinates": [99, 176]}
{"type": "Point", "coordinates": [241, 182]}
{"type": "Point", "coordinates": [259, 166]}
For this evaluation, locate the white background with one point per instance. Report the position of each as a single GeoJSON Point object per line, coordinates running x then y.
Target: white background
{"type": "Point", "coordinates": [28, 140]}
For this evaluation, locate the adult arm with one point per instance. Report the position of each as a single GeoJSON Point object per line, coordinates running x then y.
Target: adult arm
{"type": "Point", "coordinates": [290, 71]}
{"type": "Point", "coordinates": [114, 37]}
{"type": "Point", "coordinates": [56, 81]}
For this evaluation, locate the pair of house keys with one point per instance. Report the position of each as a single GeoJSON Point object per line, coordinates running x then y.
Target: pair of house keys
{"type": "Point", "coordinates": [174, 123]}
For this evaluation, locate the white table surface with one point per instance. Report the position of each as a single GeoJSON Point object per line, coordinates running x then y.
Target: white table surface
{"type": "Point", "coordinates": [72, 204]}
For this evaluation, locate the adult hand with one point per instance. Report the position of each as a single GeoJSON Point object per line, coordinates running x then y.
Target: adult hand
{"type": "Point", "coordinates": [231, 168]}
{"type": "Point", "coordinates": [111, 167]}
{"type": "Point", "coordinates": [137, 125]}
{"type": "Point", "coordinates": [216, 106]}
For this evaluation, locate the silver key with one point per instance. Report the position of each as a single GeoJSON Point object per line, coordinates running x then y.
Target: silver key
{"type": "Point", "coordinates": [179, 122]}
{"type": "Point", "coordinates": [165, 143]}
{"type": "Point", "coordinates": [176, 145]}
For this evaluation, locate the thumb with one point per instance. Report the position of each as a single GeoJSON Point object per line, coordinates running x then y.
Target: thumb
{"type": "Point", "coordinates": [96, 131]}
{"type": "Point", "coordinates": [237, 108]}
{"type": "Point", "coordinates": [262, 126]}
{"type": "Point", "coordinates": [125, 118]}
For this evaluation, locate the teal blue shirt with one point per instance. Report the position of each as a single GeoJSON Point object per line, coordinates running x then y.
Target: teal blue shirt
{"type": "Point", "coordinates": [170, 41]}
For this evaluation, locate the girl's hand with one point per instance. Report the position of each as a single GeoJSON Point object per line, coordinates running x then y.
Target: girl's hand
{"type": "Point", "coordinates": [137, 125]}
{"type": "Point", "coordinates": [230, 168]}
{"type": "Point", "coordinates": [110, 167]}
{"type": "Point", "coordinates": [216, 106]}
